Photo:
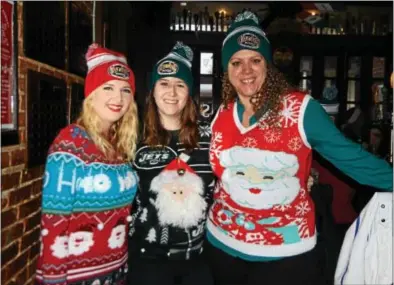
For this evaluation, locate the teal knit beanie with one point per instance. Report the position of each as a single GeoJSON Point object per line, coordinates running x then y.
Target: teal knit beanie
{"type": "Point", "coordinates": [245, 33]}
{"type": "Point", "coordinates": [177, 63]}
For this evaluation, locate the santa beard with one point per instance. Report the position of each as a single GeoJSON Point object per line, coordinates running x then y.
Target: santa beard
{"type": "Point", "coordinates": [118, 237]}
{"type": "Point", "coordinates": [80, 242]}
{"type": "Point", "coordinates": [178, 201]}
{"type": "Point", "coordinates": [59, 247]}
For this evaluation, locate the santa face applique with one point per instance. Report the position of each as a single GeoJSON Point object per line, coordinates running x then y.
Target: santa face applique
{"type": "Point", "coordinates": [118, 236]}
{"type": "Point", "coordinates": [259, 179]}
{"type": "Point", "coordinates": [179, 202]}
{"type": "Point", "coordinates": [80, 242]}
{"type": "Point", "coordinates": [60, 246]}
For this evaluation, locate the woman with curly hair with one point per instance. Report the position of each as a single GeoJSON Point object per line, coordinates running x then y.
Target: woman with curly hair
{"type": "Point", "coordinates": [261, 226]}
{"type": "Point", "coordinates": [89, 183]}
{"type": "Point", "coordinates": [176, 180]}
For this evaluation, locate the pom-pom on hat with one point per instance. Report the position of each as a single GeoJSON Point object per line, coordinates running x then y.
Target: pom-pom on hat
{"type": "Point", "coordinates": [105, 65]}
{"type": "Point", "coordinates": [178, 63]}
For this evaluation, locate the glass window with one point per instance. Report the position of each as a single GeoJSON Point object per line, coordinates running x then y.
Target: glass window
{"type": "Point", "coordinates": [378, 67]}
{"type": "Point", "coordinates": [330, 82]}
{"type": "Point", "coordinates": [353, 91]}
{"type": "Point", "coordinates": [206, 64]}
{"type": "Point", "coordinates": [330, 66]}
{"type": "Point", "coordinates": [377, 91]}
{"type": "Point", "coordinates": [354, 67]}
{"type": "Point", "coordinates": [306, 64]}
{"type": "Point", "coordinates": [206, 87]}
{"type": "Point", "coordinates": [305, 85]}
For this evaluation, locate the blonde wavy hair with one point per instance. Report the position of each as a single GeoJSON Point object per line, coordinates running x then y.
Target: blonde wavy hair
{"type": "Point", "coordinates": [123, 134]}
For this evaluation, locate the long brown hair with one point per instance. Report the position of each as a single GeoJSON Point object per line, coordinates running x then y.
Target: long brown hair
{"type": "Point", "coordinates": [274, 88]}
{"type": "Point", "coordinates": [154, 133]}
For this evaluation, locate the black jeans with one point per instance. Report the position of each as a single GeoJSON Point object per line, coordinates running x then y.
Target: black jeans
{"type": "Point", "coordinates": [144, 271]}
{"type": "Point", "coordinates": [303, 269]}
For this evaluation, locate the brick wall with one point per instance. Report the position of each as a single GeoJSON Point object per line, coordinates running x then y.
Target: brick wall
{"type": "Point", "coordinates": [20, 186]}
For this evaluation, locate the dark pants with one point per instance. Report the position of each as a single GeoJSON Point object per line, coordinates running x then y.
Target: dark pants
{"type": "Point", "coordinates": [145, 271]}
{"type": "Point", "coordinates": [303, 269]}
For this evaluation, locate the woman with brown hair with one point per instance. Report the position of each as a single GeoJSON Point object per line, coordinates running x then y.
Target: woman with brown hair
{"type": "Point", "coordinates": [176, 181]}
{"type": "Point", "coordinates": [261, 226]}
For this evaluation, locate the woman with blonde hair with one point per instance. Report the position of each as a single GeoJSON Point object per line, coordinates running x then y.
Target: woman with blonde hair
{"type": "Point", "coordinates": [89, 183]}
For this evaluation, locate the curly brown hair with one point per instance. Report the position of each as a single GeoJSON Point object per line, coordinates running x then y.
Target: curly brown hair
{"type": "Point", "coordinates": [274, 88]}
{"type": "Point", "coordinates": [154, 133]}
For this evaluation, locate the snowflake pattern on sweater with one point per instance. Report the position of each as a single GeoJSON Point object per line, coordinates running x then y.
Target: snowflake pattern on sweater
{"type": "Point", "coordinates": [261, 208]}
{"type": "Point", "coordinates": [86, 204]}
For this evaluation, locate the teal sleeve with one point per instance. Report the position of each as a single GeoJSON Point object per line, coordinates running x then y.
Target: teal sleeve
{"type": "Point", "coordinates": [347, 156]}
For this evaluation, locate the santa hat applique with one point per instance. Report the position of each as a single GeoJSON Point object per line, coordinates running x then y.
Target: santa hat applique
{"type": "Point", "coordinates": [178, 171]}
{"type": "Point", "coordinates": [85, 228]}
{"type": "Point", "coordinates": [105, 65]}
{"type": "Point", "coordinates": [120, 222]}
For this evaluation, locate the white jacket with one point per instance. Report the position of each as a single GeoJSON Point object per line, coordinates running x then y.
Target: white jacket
{"type": "Point", "coordinates": [367, 255]}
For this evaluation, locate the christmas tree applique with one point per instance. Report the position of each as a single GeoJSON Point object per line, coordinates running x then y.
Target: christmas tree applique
{"type": "Point", "coordinates": [151, 237]}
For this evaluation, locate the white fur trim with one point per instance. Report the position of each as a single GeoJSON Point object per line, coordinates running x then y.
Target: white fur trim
{"type": "Point", "coordinates": [97, 60]}
{"type": "Point", "coordinates": [301, 116]}
{"type": "Point", "coordinates": [172, 176]}
{"type": "Point", "coordinates": [184, 157]}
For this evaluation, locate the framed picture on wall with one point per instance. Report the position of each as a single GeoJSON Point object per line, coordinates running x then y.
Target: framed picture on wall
{"type": "Point", "coordinates": [9, 73]}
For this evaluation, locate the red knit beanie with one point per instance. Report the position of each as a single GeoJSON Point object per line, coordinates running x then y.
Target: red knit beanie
{"type": "Point", "coordinates": [105, 65]}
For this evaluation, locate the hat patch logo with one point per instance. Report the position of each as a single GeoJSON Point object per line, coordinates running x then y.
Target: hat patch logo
{"type": "Point", "coordinates": [119, 71]}
{"type": "Point", "coordinates": [249, 40]}
{"type": "Point", "coordinates": [167, 67]}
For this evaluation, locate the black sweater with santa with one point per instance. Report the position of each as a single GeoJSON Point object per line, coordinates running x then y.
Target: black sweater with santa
{"type": "Point", "coordinates": [148, 237]}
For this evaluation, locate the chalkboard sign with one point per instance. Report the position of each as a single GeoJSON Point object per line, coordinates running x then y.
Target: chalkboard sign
{"type": "Point", "coordinates": [47, 114]}
{"type": "Point", "coordinates": [44, 32]}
